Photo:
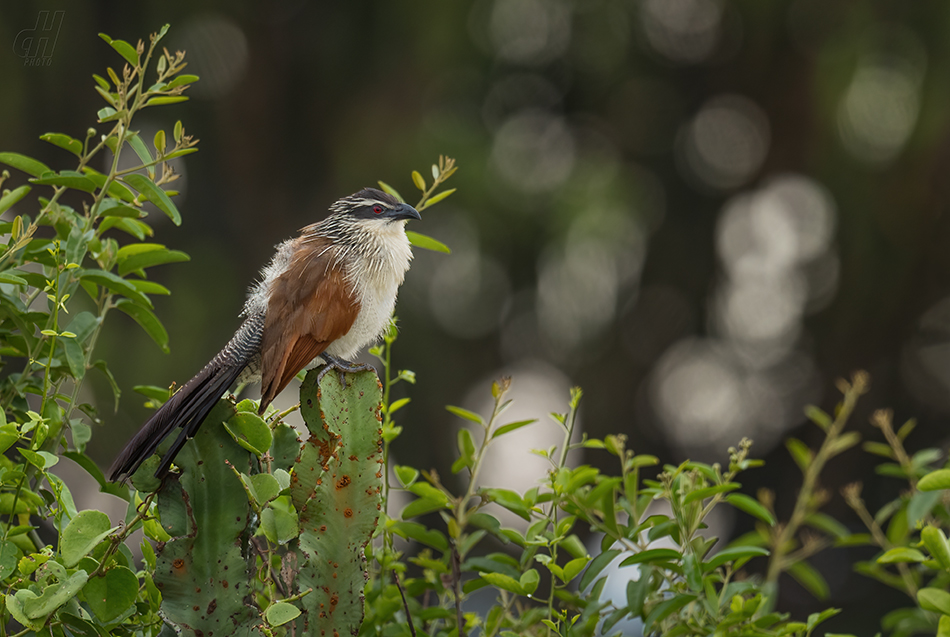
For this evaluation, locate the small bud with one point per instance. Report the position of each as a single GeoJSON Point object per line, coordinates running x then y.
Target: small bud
{"type": "Point", "coordinates": [160, 141]}
{"type": "Point", "coordinates": [418, 180]}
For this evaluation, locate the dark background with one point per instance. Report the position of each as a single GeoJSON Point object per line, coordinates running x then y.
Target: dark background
{"type": "Point", "coordinates": [701, 212]}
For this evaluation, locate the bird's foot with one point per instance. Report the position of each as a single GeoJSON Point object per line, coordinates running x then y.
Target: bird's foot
{"type": "Point", "coordinates": [342, 367]}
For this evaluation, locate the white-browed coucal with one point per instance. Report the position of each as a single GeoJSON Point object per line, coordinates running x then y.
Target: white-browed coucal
{"type": "Point", "coordinates": [326, 294]}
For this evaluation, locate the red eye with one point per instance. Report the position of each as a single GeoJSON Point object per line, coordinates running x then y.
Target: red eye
{"type": "Point", "coordinates": [378, 209]}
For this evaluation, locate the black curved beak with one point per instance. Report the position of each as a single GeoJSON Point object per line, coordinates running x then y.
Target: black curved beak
{"type": "Point", "coordinates": [403, 211]}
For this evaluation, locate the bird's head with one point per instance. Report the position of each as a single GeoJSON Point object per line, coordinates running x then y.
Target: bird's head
{"type": "Point", "coordinates": [373, 204]}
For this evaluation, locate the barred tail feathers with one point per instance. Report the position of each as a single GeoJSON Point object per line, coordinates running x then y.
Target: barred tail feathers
{"type": "Point", "coordinates": [189, 406]}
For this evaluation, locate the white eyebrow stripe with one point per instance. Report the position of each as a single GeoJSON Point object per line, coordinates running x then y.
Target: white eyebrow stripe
{"type": "Point", "coordinates": [371, 202]}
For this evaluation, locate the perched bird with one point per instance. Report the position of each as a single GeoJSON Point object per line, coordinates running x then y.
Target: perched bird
{"type": "Point", "coordinates": [325, 295]}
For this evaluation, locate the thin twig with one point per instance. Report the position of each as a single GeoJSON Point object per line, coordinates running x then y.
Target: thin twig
{"type": "Point", "coordinates": [457, 588]}
{"type": "Point", "coordinates": [405, 604]}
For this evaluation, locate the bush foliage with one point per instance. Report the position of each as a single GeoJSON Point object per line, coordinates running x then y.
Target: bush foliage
{"type": "Point", "coordinates": [62, 273]}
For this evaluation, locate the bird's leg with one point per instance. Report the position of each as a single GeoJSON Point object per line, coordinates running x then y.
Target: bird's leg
{"type": "Point", "coordinates": [342, 366]}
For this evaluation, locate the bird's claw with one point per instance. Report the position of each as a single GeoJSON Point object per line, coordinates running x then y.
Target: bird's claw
{"type": "Point", "coordinates": [342, 367]}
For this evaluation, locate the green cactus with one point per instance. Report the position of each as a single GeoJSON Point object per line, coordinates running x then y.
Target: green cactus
{"type": "Point", "coordinates": [203, 571]}
{"type": "Point", "coordinates": [320, 518]}
{"type": "Point", "coordinates": [336, 489]}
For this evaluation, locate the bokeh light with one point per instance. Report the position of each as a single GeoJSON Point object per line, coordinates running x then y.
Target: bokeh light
{"type": "Point", "coordinates": [217, 53]}
{"type": "Point", "coordinates": [725, 144]}
{"type": "Point", "coordinates": [684, 31]}
{"type": "Point", "coordinates": [530, 31]}
{"type": "Point", "coordinates": [880, 107]}
{"type": "Point", "coordinates": [752, 364]}
{"type": "Point", "coordinates": [533, 151]}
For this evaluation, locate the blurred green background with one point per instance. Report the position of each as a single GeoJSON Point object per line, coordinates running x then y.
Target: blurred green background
{"type": "Point", "coordinates": [701, 211]}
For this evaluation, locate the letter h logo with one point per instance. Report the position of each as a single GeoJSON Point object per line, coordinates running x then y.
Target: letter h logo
{"type": "Point", "coordinates": [36, 45]}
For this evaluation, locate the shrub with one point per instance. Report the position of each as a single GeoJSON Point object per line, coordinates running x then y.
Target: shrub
{"type": "Point", "coordinates": [62, 273]}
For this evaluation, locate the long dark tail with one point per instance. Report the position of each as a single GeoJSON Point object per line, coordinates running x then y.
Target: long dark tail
{"type": "Point", "coordinates": [191, 404]}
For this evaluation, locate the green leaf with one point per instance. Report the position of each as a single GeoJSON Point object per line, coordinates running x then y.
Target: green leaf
{"type": "Point", "coordinates": [406, 475]}
{"type": "Point", "coordinates": [808, 577]}
{"type": "Point", "coordinates": [115, 284]}
{"type": "Point", "coordinates": [390, 190]}
{"type": "Point", "coordinates": [418, 180]}
{"type": "Point", "coordinates": [529, 581]}
{"type": "Point", "coordinates": [421, 507]}
{"type": "Point", "coordinates": [419, 533]}
{"type": "Point", "coordinates": [9, 277]}
{"type": "Point", "coordinates": [466, 447]}
{"type": "Point", "coordinates": [279, 521]}
{"type": "Point", "coordinates": [149, 287]}
{"type": "Point", "coordinates": [142, 151]}
{"type": "Point", "coordinates": [509, 500]}
{"type": "Point", "coordinates": [104, 368]}
{"type": "Point", "coordinates": [637, 593]}
{"type": "Point", "coordinates": [800, 453]}
{"type": "Point", "coordinates": [111, 594]}
{"type": "Point", "coordinates": [39, 459]}
{"type": "Point", "coordinates": [733, 554]}
{"type": "Point", "coordinates": [109, 114]}
{"type": "Point", "coordinates": [179, 153]}
{"type": "Point", "coordinates": [116, 189]}
{"type": "Point", "coordinates": [573, 568]}
{"type": "Point", "coordinates": [939, 479]}
{"type": "Point", "coordinates": [751, 506]}
{"type": "Point", "coordinates": [828, 524]}
{"type": "Point", "coordinates": [396, 405]}
{"type": "Point", "coordinates": [512, 426]}
{"type": "Point", "coordinates": [35, 606]}
{"type": "Point", "coordinates": [664, 609]}
{"type": "Point", "coordinates": [504, 582]}
{"type": "Point", "coordinates": [124, 49]}
{"type": "Point", "coordinates": [65, 142]}
{"type": "Point", "coordinates": [147, 320]}
{"type": "Point", "coordinates": [27, 164]}
{"type": "Point", "coordinates": [135, 227]}
{"type": "Point", "coordinates": [934, 599]}
{"type": "Point", "coordinates": [707, 492]}
{"type": "Point", "coordinates": [818, 417]}
{"type": "Point", "coordinates": [466, 414]}
{"type": "Point", "coordinates": [434, 199]}
{"type": "Point", "coordinates": [8, 558]}
{"type": "Point", "coordinates": [901, 554]}
{"type": "Point", "coordinates": [158, 101]}
{"type": "Point", "coordinates": [652, 555]}
{"type": "Point", "coordinates": [596, 565]}
{"type": "Point", "coordinates": [75, 357]}
{"type": "Point", "coordinates": [181, 80]}
{"type": "Point", "coordinates": [15, 195]}
{"type": "Point", "coordinates": [264, 486]}
{"type": "Point", "coordinates": [154, 194]}
{"type": "Point", "coordinates": [250, 431]}
{"type": "Point", "coordinates": [878, 449]}
{"type": "Point", "coordinates": [114, 208]}
{"type": "Point", "coordinates": [67, 178]}
{"type": "Point", "coordinates": [427, 243]}
{"type": "Point", "coordinates": [936, 543]}
{"type": "Point", "coordinates": [844, 442]}
{"type": "Point", "coordinates": [82, 534]}
{"type": "Point", "coordinates": [279, 613]}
